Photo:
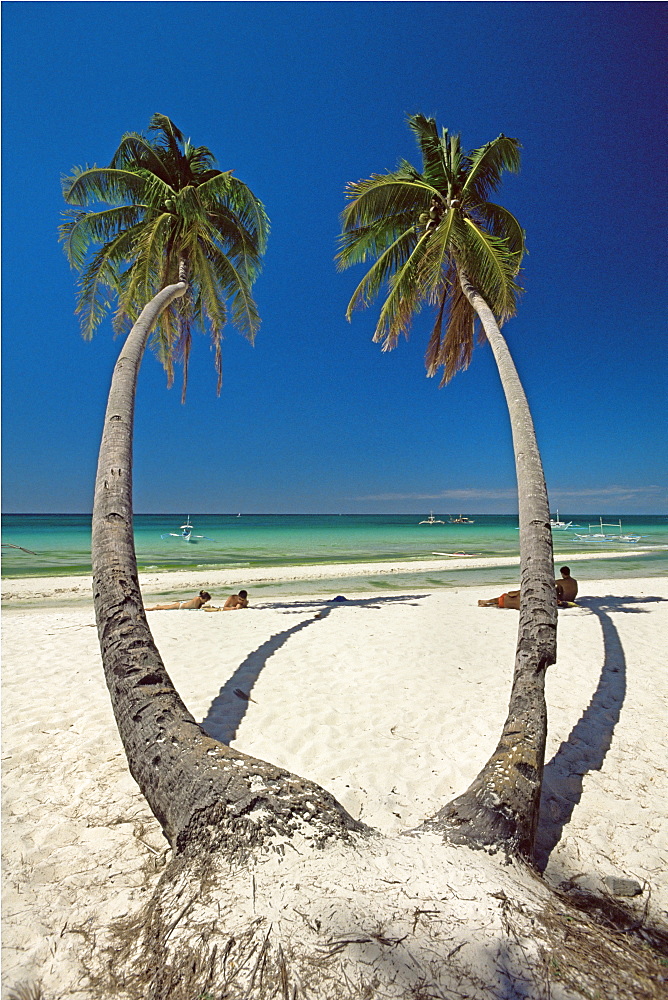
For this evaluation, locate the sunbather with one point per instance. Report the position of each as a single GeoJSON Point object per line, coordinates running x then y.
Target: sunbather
{"type": "Point", "coordinates": [194, 604]}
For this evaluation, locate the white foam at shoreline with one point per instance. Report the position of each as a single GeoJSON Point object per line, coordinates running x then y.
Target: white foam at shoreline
{"type": "Point", "coordinates": [67, 587]}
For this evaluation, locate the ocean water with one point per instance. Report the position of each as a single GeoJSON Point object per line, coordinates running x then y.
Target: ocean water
{"type": "Point", "coordinates": [59, 544]}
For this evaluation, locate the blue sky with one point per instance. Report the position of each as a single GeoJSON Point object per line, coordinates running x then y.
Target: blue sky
{"type": "Point", "coordinates": [299, 99]}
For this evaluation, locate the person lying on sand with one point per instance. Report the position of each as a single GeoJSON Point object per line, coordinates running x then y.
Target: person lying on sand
{"type": "Point", "coordinates": [509, 600]}
{"type": "Point", "coordinates": [567, 591]}
{"type": "Point", "coordinates": [233, 603]}
{"type": "Point", "coordinates": [192, 605]}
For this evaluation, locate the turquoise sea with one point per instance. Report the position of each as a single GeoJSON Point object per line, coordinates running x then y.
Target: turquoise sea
{"type": "Point", "coordinates": [61, 544]}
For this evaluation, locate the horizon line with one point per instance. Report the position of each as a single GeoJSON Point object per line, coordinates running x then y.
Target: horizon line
{"type": "Point", "coordinates": [297, 513]}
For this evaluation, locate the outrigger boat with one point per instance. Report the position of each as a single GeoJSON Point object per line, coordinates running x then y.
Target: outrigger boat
{"type": "Point", "coordinates": [431, 519]}
{"type": "Point", "coordinates": [602, 536]}
{"type": "Point", "coordinates": [185, 533]}
{"type": "Point", "coordinates": [460, 520]}
{"type": "Point", "coordinates": [561, 525]}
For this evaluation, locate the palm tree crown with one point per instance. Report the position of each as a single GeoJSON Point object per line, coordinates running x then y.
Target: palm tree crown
{"type": "Point", "coordinates": [426, 230]}
{"type": "Point", "coordinates": [164, 214]}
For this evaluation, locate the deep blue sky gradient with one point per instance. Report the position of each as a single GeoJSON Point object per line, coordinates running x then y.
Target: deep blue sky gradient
{"type": "Point", "coordinates": [299, 98]}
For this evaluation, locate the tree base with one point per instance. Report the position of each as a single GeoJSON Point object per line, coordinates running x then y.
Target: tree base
{"type": "Point", "coordinates": [376, 917]}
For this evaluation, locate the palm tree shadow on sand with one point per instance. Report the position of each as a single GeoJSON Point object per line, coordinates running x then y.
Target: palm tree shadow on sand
{"type": "Point", "coordinates": [230, 705]}
{"type": "Point", "coordinates": [589, 741]}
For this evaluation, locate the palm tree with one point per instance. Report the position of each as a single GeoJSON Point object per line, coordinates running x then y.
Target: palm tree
{"type": "Point", "coordinates": [436, 239]}
{"type": "Point", "coordinates": [186, 239]}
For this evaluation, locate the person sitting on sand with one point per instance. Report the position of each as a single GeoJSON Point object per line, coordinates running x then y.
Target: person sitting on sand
{"type": "Point", "coordinates": [192, 605]}
{"type": "Point", "coordinates": [233, 603]}
{"type": "Point", "coordinates": [567, 587]}
{"type": "Point", "coordinates": [567, 591]}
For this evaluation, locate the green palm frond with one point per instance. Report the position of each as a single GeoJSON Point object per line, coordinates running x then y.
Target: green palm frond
{"type": "Point", "coordinates": [98, 279]}
{"type": "Point", "coordinates": [448, 234]}
{"type": "Point", "coordinates": [384, 195]}
{"type": "Point", "coordinates": [456, 161]}
{"type": "Point", "coordinates": [238, 220]}
{"type": "Point", "coordinates": [388, 262]}
{"type": "Point", "coordinates": [235, 242]}
{"type": "Point", "coordinates": [432, 150]}
{"type": "Point", "coordinates": [495, 268]}
{"type": "Point", "coordinates": [83, 228]}
{"type": "Point", "coordinates": [406, 296]}
{"type": "Point", "coordinates": [171, 136]}
{"type": "Point", "coordinates": [149, 253]}
{"type": "Point", "coordinates": [187, 206]}
{"type": "Point", "coordinates": [250, 212]}
{"type": "Point", "coordinates": [488, 163]}
{"type": "Point", "coordinates": [103, 184]}
{"type": "Point", "coordinates": [200, 159]}
{"type": "Point", "coordinates": [159, 205]}
{"type": "Point", "coordinates": [503, 224]}
{"type": "Point", "coordinates": [135, 151]}
{"type": "Point", "coordinates": [232, 280]}
{"type": "Point", "coordinates": [384, 213]}
{"type": "Point", "coordinates": [212, 290]}
{"type": "Point", "coordinates": [214, 306]}
{"type": "Point", "coordinates": [357, 245]}
{"type": "Point", "coordinates": [157, 193]}
{"type": "Point", "coordinates": [215, 190]}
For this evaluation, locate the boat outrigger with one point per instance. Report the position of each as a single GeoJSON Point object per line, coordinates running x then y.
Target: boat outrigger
{"type": "Point", "coordinates": [603, 536]}
{"type": "Point", "coordinates": [10, 546]}
{"type": "Point", "coordinates": [431, 519]}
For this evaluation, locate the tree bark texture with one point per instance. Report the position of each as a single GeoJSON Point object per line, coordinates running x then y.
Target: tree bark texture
{"type": "Point", "coordinates": [500, 808]}
{"type": "Point", "coordinates": [202, 792]}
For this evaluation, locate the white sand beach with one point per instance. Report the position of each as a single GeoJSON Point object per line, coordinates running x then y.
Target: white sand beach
{"type": "Point", "coordinates": [392, 702]}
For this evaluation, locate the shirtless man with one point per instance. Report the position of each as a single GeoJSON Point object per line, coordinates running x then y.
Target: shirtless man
{"type": "Point", "coordinates": [567, 591]}
{"type": "Point", "coordinates": [567, 587]}
{"type": "Point", "coordinates": [193, 605]}
{"type": "Point", "coordinates": [233, 603]}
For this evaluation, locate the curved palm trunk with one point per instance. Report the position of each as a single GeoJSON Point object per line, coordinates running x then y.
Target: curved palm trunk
{"type": "Point", "coordinates": [500, 808]}
{"type": "Point", "coordinates": [202, 792]}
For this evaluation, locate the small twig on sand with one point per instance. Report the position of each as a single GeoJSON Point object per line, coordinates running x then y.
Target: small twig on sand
{"type": "Point", "coordinates": [178, 918]}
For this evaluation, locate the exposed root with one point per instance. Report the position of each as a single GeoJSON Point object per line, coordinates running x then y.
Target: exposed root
{"type": "Point", "coordinates": [26, 991]}
{"type": "Point", "coordinates": [380, 920]}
